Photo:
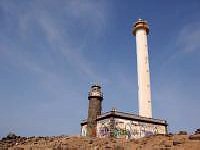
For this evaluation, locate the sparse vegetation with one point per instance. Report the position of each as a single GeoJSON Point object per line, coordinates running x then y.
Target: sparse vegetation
{"type": "Point", "coordinates": [171, 141]}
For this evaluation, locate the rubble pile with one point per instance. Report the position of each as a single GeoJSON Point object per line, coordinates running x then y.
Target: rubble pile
{"type": "Point", "coordinates": [156, 142]}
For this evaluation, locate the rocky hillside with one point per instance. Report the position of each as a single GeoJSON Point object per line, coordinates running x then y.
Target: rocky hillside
{"type": "Point", "coordinates": [157, 142]}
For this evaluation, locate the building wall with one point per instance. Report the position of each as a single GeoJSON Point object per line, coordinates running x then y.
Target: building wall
{"type": "Point", "coordinates": [84, 130]}
{"type": "Point", "coordinates": [123, 128]}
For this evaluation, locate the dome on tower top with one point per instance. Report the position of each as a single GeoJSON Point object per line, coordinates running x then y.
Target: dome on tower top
{"type": "Point", "coordinates": [140, 24]}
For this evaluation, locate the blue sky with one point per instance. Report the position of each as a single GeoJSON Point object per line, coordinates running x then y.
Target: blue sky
{"type": "Point", "coordinates": [51, 51]}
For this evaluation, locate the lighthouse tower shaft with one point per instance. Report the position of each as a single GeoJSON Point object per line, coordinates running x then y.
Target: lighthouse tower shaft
{"type": "Point", "coordinates": [95, 97]}
{"type": "Point", "coordinates": [141, 30]}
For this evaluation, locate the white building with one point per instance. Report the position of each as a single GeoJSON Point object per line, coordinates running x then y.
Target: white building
{"type": "Point", "coordinates": [125, 125]}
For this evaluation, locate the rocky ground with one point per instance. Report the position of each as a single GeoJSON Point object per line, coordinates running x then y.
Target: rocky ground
{"type": "Point", "coordinates": [156, 142]}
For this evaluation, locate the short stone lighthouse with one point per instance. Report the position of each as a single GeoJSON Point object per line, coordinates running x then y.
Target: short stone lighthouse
{"type": "Point", "coordinates": [141, 30]}
{"type": "Point", "coordinates": [95, 97]}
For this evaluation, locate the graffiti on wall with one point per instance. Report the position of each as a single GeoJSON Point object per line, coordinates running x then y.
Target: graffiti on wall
{"type": "Point", "coordinates": [128, 129]}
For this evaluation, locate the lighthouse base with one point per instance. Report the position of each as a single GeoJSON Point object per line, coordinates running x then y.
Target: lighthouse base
{"type": "Point", "coordinates": [125, 125]}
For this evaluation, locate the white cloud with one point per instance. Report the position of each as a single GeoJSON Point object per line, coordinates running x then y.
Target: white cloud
{"type": "Point", "coordinates": [188, 39]}
{"type": "Point", "coordinates": [57, 33]}
{"type": "Point", "coordinates": [55, 38]}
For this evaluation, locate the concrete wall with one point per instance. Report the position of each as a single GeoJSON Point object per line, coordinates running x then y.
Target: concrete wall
{"type": "Point", "coordinates": [127, 129]}
{"type": "Point", "coordinates": [144, 88]}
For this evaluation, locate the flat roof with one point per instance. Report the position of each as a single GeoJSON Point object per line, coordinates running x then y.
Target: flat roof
{"type": "Point", "coordinates": [127, 116]}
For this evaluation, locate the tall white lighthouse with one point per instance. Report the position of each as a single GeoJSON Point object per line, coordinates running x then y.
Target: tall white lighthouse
{"type": "Point", "coordinates": [141, 30]}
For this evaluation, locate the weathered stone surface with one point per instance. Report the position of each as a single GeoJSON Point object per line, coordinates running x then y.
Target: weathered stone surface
{"type": "Point", "coordinates": [95, 98]}
{"type": "Point", "coordinates": [182, 133]}
{"type": "Point", "coordinates": [158, 142]}
{"type": "Point", "coordinates": [197, 131]}
{"type": "Point", "coordinates": [195, 137]}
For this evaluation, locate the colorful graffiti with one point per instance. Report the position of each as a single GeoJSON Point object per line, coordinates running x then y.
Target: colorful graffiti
{"type": "Point", "coordinates": [126, 129]}
{"type": "Point", "coordinates": [105, 131]}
